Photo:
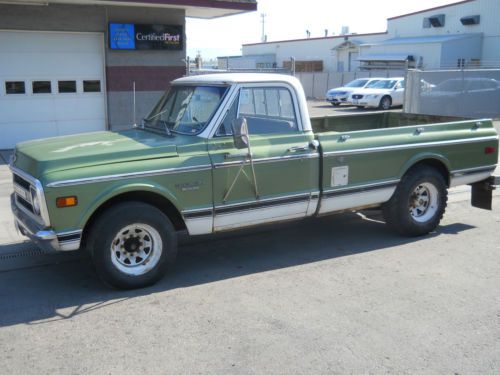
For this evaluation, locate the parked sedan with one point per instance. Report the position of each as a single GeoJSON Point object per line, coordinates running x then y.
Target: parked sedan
{"type": "Point", "coordinates": [340, 95]}
{"type": "Point", "coordinates": [384, 94]}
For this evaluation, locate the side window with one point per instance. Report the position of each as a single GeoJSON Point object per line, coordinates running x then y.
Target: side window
{"type": "Point", "coordinates": [247, 104]}
{"type": "Point", "coordinates": [268, 110]}
{"type": "Point", "coordinates": [286, 104]}
{"type": "Point", "coordinates": [273, 102]}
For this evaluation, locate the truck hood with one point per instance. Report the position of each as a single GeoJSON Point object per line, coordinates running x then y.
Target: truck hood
{"type": "Point", "coordinates": [91, 149]}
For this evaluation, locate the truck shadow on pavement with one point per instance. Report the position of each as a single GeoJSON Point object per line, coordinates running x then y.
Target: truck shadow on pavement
{"type": "Point", "coordinates": [47, 294]}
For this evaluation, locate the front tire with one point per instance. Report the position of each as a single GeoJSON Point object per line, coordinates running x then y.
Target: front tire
{"type": "Point", "coordinates": [132, 245]}
{"type": "Point", "coordinates": [385, 103]}
{"type": "Point", "coordinates": [419, 202]}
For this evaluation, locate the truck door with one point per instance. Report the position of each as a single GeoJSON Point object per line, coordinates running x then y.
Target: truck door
{"type": "Point", "coordinates": [286, 164]}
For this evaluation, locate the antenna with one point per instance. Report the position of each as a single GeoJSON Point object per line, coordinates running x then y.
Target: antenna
{"type": "Point", "coordinates": [263, 38]}
{"type": "Point", "coordinates": [135, 123]}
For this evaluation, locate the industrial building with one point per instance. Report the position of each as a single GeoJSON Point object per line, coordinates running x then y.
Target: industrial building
{"type": "Point", "coordinates": [462, 34]}
{"type": "Point", "coordinates": [69, 66]}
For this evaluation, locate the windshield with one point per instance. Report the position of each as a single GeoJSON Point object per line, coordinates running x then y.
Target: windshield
{"type": "Point", "coordinates": [185, 109]}
{"type": "Point", "coordinates": [357, 83]}
{"type": "Point", "coordinates": [384, 84]}
{"type": "Point", "coordinates": [372, 83]}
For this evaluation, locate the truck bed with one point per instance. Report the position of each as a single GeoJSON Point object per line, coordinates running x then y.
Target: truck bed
{"type": "Point", "coordinates": [365, 156]}
{"type": "Point", "coordinates": [373, 121]}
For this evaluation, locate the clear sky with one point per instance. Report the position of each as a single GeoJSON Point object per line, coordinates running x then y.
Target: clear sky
{"type": "Point", "coordinates": [287, 19]}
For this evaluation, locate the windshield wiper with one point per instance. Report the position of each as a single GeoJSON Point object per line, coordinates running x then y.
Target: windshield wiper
{"type": "Point", "coordinates": [165, 123]}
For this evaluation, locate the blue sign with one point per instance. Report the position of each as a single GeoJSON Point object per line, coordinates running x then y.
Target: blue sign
{"type": "Point", "coordinates": [121, 36]}
{"type": "Point", "coordinates": [128, 36]}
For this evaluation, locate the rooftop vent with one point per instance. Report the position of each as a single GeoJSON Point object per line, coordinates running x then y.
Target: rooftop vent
{"type": "Point", "coordinates": [471, 20]}
{"type": "Point", "coordinates": [437, 20]}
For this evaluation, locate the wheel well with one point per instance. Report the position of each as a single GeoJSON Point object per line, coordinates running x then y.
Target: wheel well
{"type": "Point", "coordinates": [436, 164]}
{"type": "Point", "coordinates": [153, 199]}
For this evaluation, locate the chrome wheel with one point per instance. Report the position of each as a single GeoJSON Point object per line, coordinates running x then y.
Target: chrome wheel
{"type": "Point", "coordinates": [136, 249]}
{"type": "Point", "coordinates": [423, 203]}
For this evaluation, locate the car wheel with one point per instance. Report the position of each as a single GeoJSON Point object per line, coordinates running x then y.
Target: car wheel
{"type": "Point", "coordinates": [418, 204]}
{"type": "Point", "coordinates": [132, 245]}
{"type": "Point", "coordinates": [385, 103]}
{"type": "Point", "coordinates": [335, 104]}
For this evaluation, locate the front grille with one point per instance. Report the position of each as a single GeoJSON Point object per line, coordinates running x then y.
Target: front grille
{"type": "Point", "coordinates": [21, 182]}
{"type": "Point", "coordinates": [357, 96]}
{"type": "Point", "coordinates": [22, 193]}
{"type": "Point", "coordinates": [24, 203]}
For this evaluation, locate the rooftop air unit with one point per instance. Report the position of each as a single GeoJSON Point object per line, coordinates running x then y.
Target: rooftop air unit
{"type": "Point", "coordinates": [470, 20]}
{"type": "Point", "coordinates": [437, 20]}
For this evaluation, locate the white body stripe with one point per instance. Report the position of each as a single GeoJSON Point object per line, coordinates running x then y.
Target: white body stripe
{"type": "Point", "coordinates": [199, 225]}
{"type": "Point", "coordinates": [470, 178]}
{"type": "Point", "coordinates": [357, 199]}
{"type": "Point", "coordinates": [238, 219]}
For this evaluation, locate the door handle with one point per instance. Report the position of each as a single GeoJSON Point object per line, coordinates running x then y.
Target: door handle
{"type": "Point", "coordinates": [344, 137]}
{"type": "Point", "coordinates": [299, 148]}
{"type": "Point", "coordinates": [240, 155]}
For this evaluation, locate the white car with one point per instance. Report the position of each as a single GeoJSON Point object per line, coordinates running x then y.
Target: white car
{"type": "Point", "coordinates": [384, 94]}
{"type": "Point", "coordinates": [340, 95]}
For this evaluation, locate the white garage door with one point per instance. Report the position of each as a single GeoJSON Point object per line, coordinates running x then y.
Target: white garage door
{"type": "Point", "coordinates": [51, 84]}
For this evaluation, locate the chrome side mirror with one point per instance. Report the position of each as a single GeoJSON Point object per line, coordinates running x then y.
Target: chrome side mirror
{"type": "Point", "coordinates": [240, 133]}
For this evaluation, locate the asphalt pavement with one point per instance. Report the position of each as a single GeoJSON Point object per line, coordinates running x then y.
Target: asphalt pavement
{"type": "Point", "coordinates": [335, 295]}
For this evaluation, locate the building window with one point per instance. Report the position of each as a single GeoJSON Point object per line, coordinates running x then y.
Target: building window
{"type": "Point", "coordinates": [41, 87]}
{"type": "Point", "coordinates": [15, 87]}
{"type": "Point", "coordinates": [67, 86]}
{"type": "Point", "coordinates": [461, 63]}
{"type": "Point", "coordinates": [91, 86]}
{"type": "Point", "coordinates": [475, 62]}
{"type": "Point", "coordinates": [305, 66]}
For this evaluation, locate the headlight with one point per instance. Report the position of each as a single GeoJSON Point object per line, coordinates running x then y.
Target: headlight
{"type": "Point", "coordinates": [35, 201]}
{"type": "Point", "coordinates": [372, 96]}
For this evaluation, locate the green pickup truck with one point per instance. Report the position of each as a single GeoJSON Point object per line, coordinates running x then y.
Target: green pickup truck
{"type": "Point", "coordinates": [226, 151]}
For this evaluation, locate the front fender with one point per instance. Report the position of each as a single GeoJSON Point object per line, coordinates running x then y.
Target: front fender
{"type": "Point", "coordinates": [119, 189]}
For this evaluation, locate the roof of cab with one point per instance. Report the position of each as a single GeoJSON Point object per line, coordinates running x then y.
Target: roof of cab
{"type": "Point", "coordinates": [229, 78]}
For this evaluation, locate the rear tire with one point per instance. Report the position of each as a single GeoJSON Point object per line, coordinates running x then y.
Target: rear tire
{"type": "Point", "coordinates": [419, 202]}
{"type": "Point", "coordinates": [132, 245]}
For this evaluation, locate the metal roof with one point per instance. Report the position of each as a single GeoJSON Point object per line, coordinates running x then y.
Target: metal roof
{"type": "Point", "coordinates": [385, 57]}
{"type": "Point", "coordinates": [426, 39]}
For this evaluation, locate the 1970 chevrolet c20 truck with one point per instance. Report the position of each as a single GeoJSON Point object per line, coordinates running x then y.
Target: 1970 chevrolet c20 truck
{"type": "Point", "coordinates": [227, 151]}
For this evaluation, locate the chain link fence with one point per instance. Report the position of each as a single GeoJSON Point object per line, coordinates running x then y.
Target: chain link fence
{"type": "Point", "coordinates": [471, 93]}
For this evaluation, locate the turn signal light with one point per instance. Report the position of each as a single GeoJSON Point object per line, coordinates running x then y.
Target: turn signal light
{"type": "Point", "coordinates": [66, 201]}
{"type": "Point", "coordinates": [489, 150]}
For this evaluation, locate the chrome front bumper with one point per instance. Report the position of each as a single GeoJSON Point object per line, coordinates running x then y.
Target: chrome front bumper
{"type": "Point", "coordinates": [45, 238]}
